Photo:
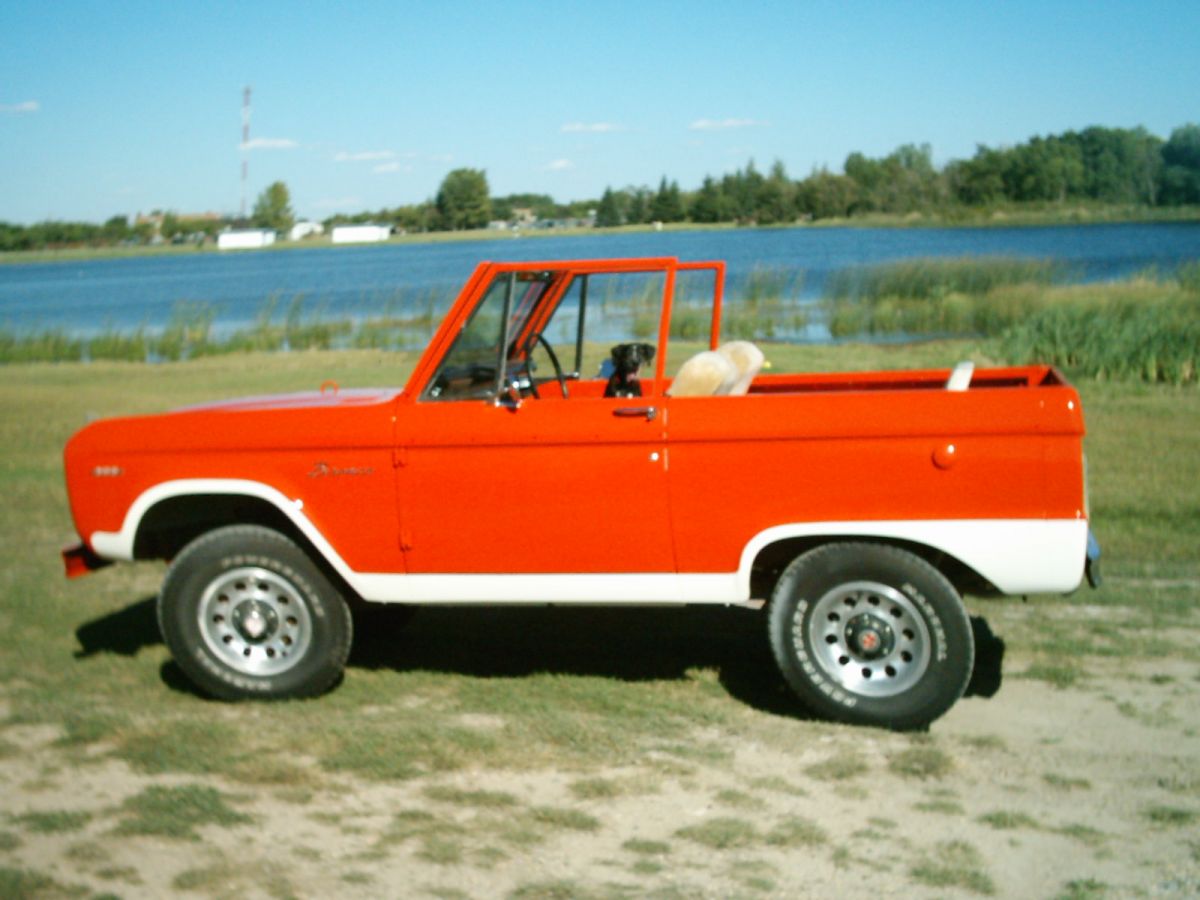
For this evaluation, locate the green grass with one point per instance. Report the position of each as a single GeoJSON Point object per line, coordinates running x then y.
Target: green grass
{"type": "Point", "coordinates": [1083, 889]}
{"type": "Point", "coordinates": [1007, 820]}
{"type": "Point", "coordinates": [53, 821]}
{"type": "Point", "coordinates": [721, 833]}
{"type": "Point", "coordinates": [20, 884]}
{"type": "Point", "coordinates": [558, 818]}
{"type": "Point", "coordinates": [176, 812]}
{"type": "Point", "coordinates": [477, 799]}
{"type": "Point", "coordinates": [1062, 675]}
{"type": "Point", "coordinates": [1171, 816]}
{"type": "Point", "coordinates": [954, 864]}
{"type": "Point", "coordinates": [922, 761]}
{"type": "Point", "coordinates": [842, 767]}
{"type": "Point", "coordinates": [646, 848]}
{"type": "Point", "coordinates": [796, 831]}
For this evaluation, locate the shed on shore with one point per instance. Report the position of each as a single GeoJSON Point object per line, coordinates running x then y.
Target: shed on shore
{"type": "Point", "coordinates": [245, 239]}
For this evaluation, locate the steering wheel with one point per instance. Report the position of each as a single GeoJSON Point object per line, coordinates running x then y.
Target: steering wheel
{"type": "Point", "coordinates": [558, 370]}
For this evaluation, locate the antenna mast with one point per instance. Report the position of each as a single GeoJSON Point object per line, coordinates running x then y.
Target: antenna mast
{"type": "Point", "coordinates": [245, 144]}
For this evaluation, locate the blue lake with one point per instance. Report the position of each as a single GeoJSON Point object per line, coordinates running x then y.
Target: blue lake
{"type": "Point", "coordinates": [83, 298]}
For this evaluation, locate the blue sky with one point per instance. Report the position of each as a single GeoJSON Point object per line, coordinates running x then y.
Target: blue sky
{"type": "Point", "coordinates": [110, 108]}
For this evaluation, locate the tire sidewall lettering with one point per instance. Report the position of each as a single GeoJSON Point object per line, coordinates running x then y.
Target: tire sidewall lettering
{"type": "Point", "coordinates": [801, 592]}
{"type": "Point", "coordinates": [814, 672]}
{"type": "Point", "coordinates": [218, 552]}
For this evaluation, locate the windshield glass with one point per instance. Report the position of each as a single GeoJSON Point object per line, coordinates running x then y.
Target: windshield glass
{"type": "Point", "coordinates": [472, 367]}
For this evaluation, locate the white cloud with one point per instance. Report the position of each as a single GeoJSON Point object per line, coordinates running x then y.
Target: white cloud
{"type": "Point", "coordinates": [364, 156]}
{"type": "Point", "coordinates": [560, 165]}
{"type": "Point", "coordinates": [269, 144]}
{"type": "Point", "coordinates": [591, 127]}
{"type": "Point", "coordinates": [720, 124]}
{"type": "Point", "coordinates": [389, 167]}
{"type": "Point", "coordinates": [29, 106]}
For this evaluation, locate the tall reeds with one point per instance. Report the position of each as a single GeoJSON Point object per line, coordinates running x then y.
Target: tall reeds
{"type": "Point", "coordinates": [1112, 335]}
{"type": "Point", "coordinates": [969, 296]}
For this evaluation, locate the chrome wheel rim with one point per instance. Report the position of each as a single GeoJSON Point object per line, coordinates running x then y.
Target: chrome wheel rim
{"type": "Point", "coordinates": [869, 638]}
{"type": "Point", "coordinates": [255, 621]}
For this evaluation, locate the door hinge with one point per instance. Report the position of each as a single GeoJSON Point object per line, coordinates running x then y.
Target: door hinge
{"type": "Point", "coordinates": [399, 457]}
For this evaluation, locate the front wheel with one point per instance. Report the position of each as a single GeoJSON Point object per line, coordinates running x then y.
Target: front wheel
{"type": "Point", "coordinates": [871, 634]}
{"type": "Point", "coordinates": [246, 614]}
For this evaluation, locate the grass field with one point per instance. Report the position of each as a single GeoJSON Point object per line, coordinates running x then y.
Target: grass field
{"type": "Point", "coordinates": [590, 752]}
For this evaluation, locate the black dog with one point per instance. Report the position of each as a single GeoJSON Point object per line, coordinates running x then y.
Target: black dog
{"type": "Point", "coordinates": [626, 358]}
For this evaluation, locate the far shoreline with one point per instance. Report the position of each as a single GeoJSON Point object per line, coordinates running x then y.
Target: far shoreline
{"type": "Point", "coordinates": [1064, 217]}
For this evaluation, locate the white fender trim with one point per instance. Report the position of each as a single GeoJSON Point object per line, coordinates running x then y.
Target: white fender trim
{"type": "Point", "coordinates": [119, 544]}
{"type": "Point", "coordinates": [1018, 556]}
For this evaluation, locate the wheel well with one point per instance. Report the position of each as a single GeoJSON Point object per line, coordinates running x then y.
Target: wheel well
{"type": "Point", "coordinates": [774, 558]}
{"type": "Point", "coordinates": [172, 524]}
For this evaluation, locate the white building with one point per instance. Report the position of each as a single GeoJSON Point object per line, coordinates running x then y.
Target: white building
{"type": "Point", "coordinates": [301, 230]}
{"type": "Point", "coordinates": [360, 234]}
{"type": "Point", "coordinates": [247, 239]}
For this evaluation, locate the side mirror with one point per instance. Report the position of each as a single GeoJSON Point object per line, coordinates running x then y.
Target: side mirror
{"type": "Point", "coordinates": [510, 397]}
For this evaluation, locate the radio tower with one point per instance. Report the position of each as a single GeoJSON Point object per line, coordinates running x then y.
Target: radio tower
{"type": "Point", "coordinates": [245, 144]}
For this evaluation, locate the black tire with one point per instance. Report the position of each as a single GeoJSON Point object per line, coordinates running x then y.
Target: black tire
{"type": "Point", "coordinates": [247, 614]}
{"type": "Point", "coordinates": [871, 634]}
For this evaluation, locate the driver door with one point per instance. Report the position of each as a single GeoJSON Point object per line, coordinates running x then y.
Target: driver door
{"type": "Point", "coordinates": [493, 479]}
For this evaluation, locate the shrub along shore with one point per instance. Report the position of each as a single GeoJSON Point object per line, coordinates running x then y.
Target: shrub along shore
{"type": "Point", "coordinates": [1145, 328]}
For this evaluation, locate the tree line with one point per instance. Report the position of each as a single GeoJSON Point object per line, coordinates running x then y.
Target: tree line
{"type": "Point", "coordinates": [1128, 167]}
{"type": "Point", "coordinates": [1113, 166]}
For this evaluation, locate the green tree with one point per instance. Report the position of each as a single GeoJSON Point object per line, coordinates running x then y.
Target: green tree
{"type": "Point", "coordinates": [639, 205]}
{"type": "Point", "coordinates": [710, 203]}
{"type": "Point", "coordinates": [116, 229]}
{"type": "Point", "coordinates": [824, 195]}
{"type": "Point", "coordinates": [776, 201]}
{"type": "Point", "coordinates": [463, 200]}
{"type": "Point", "coordinates": [273, 208]}
{"type": "Point", "coordinates": [742, 190]}
{"type": "Point", "coordinates": [608, 212]}
{"type": "Point", "coordinates": [1181, 167]}
{"type": "Point", "coordinates": [667, 205]}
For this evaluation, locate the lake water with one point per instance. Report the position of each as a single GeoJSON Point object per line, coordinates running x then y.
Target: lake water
{"type": "Point", "coordinates": [87, 297]}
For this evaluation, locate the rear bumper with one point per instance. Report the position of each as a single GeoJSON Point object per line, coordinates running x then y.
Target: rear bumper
{"type": "Point", "coordinates": [78, 559]}
{"type": "Point", "coordinates": [1091, 567]}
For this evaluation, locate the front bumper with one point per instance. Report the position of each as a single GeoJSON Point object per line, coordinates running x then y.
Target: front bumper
{"type": "Point", "coordinates": [78, 559]}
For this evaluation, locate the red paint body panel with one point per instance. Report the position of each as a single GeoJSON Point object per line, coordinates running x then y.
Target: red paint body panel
{"type": "Point", "coordinates": [404, 482]}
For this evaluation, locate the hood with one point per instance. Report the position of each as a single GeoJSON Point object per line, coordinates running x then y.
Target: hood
{"type": "Point", "coordinates": [336, 398]}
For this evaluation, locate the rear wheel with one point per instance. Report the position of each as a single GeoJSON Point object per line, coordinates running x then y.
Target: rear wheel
{"type": "Point", "coordinates": [246, 613]}
{"type": "Point", "coordinates": [871, 634]}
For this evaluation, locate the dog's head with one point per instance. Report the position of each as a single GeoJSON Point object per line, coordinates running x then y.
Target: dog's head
{"type": "Point", "coordinates": [627, 358]}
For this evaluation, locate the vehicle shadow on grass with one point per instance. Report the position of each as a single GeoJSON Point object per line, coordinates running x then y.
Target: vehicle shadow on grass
{"type": "Point", "coordinates": [124, 632]}
{"type": "Point", "coordinates": [634, 644]}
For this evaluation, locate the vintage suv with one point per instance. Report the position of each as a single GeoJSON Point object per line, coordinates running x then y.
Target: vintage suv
{"type": "Point", "coordinates": [517, 467]}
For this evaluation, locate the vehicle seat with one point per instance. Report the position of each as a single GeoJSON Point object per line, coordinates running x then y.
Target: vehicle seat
{"type": "Point", "coordinates": [704, 375]}
{"type": "Point", "coordinates": [747, 359]}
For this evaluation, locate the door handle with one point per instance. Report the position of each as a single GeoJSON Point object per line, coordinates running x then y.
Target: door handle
{"type": "Point", "coordinates": [636, 412]}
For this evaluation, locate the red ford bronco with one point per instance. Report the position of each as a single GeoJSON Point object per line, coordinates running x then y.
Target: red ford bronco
{"type": "Point", "coordinates": [856, 508]}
